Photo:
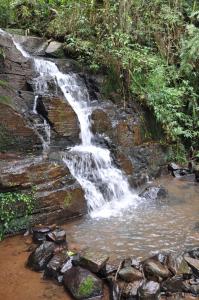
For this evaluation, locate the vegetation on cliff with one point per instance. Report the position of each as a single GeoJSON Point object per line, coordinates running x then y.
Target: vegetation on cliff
{"type": "Point", "coordinates": [149, 48]}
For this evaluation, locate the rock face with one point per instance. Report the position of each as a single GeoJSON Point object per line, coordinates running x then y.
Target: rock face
{"type": "Point", "coordinates": [58, 197]}
{"type": "Point", "coordinates": [23, 121]}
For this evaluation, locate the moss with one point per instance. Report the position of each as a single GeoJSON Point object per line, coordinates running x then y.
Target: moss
{"type": "Point", "coordinates": [86, 287]}
{"type": "Point", "coordinates": [5, 99]}
{"type": "Point", "coordinates": [3, 83]}
{"type": "Point", "coordinates": [67, 200]}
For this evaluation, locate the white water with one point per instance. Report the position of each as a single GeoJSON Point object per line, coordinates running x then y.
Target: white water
{"type": "Point", "coordinates": [106, 189]}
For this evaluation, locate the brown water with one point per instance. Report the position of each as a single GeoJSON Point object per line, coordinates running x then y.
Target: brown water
{"type": "Point", "coordinates": [141, 232]}
{"type": "Point", "coordinates": [148, 228]}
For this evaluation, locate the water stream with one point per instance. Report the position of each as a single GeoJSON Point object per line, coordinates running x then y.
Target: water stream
{"type": "Point", "coordinates": [106, 189]}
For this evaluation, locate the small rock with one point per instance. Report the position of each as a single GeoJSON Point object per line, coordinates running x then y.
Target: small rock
{"type": "Point", "coordinates": [55, 49]}
{"type": "Point", "coordinates": [154, 193]}
{"type": "Point", "coordinates": [116, 287]}
{"type": "Point", "coordinates": [53, 268]}
{"type": "Point", "coordinates": [175, 284]}
{"type": "Point", "coordinates": [149, 290]}
{"type": "Point", "coordinates": [57, 236]}
{"type": "Point", "coordinates": [194, 253]}
{"type": "Point", "coordinates": [82, 284]}
{"type": "Point", "coordinates": [39, 234]}
{"type": "Point", "coordinates": [131, 290]}
{"type": "Point", "coordinates": [92, 260]}
{"type": "Point", "coordinates": [193, 263]}
{"type": "Point", "coordinates": [130, 274]}
{"type": "Point", "coordinates": [112, 267]}
{"type": "Point", "coordinates": [40, 257]}
{"type": "Point", "coordinates": [178, 266]}
{"type": "Point", "coordinates": [154, 269]}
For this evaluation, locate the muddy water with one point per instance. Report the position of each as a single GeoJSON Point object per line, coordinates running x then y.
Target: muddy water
{"type": "Point", "coordinates": [149, 228]}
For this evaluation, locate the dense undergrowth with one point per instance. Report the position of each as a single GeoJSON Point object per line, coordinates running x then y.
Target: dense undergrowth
{"type": "Point", "coordinates": [151, 46]}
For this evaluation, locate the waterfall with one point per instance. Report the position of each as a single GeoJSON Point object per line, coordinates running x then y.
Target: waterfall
{"type": "Point", "coordinates": [106, 188]}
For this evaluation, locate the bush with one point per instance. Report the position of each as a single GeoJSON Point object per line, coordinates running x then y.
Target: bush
{"type": "Point", "coordinates": [15, 209]}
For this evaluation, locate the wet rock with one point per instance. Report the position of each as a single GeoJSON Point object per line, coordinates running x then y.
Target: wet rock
{"type": "Point", "coordinates": [101, 122]}
{"type": "Point", "coordinates": [82, 284]}
{"type": "Point", "coordinates": [115, 288]}
{"type": "Point", "coordinates": [53, 268]}
{"type": "Point", "coordinates": [55, 49]}
{"type": "Point", "coordinates": [57, 236]}
{"type": "Point", "coordinates": [39, 258]}
{"type": "Point", "coordinates": [130, 291]}
{"type": "Point", "coordinates": [194, 168]}
{"type": "Point", "coordinates": [194, 253]}
{"type": "Point", "coordinates": [149, 290]}
{"type": "Point", "coordinates": [178, 266]}
{"type": "Point", "coordinates": [67, 265]}
{"type": "Point", "coordinates": [93, 260]}
{"type": "Point", "coordinates": [62, 117]}
{"type": "Point", "coordinates": [130, 274]}
{"type": "Point", "coordinates": [39, 234]}
{"type": "Point", "coordinates": [32, 44]}
{"type": "Point", "coordinates": [111, 267]}
{"type": "Point", "coordinates": [193, 263]}
{"type": "Point", "coordinates": [177, 171]}
{"type": "Point", "coordinates": [154, 270]}
{"type": "Point", "coordinates": [152, 193]}
{"type": "Point", "coordinates": [175, 284]}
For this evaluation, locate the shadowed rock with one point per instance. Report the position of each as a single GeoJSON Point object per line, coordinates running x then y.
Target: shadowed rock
{"type": "Point", "coordinates": [39, 258]}
{"type": "Point", "coordinates": [82, 284]}
{"type": "Point", "coordinates": [130, 274]}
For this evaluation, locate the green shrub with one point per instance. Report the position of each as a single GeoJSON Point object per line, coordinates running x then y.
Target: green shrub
{"type": "Point", "coordinates": [15, 209]}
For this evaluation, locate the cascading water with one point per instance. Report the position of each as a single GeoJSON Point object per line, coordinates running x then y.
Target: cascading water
{"type": "Point", "coordinates": [106, 189]}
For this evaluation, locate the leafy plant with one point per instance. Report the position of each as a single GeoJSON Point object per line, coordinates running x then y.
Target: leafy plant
{"type": "Point", "coordinates": [15, 209]}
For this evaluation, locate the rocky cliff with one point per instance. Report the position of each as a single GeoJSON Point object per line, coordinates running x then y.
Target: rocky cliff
{"type": "Point", "coordinates": [126, 132]}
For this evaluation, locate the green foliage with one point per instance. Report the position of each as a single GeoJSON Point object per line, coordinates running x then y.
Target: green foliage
{"type": "Point", "coordinates": [15, 209]}
{"type": "Point", "coordinates": [86, 287]}
{"type": "Point", "coordinates": [148, 49]}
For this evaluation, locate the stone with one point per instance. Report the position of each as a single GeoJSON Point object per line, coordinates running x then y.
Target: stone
{"type": "Point", "coordinates": [111, 267]}
{"type": "Point", "coordinates": [149, 290]}
{"type": "Point", "coordinates": [152, 193]}
{"type": "Point", "coordinates": [57, 236]}
{"type": "Point", "coordinates": [124, 163]}
{"type": "Point", "coordinates": [32, 44]}
{"type": "Point", "coordinates": [100, 122]}
{"type": "Point", "coordinates": [130, 291]}
{"type": "Point", "coordinates": [94, 261]}
{"type": "Point", "coordinates": [193, 263]}
{"type": "Point", "coordinates": [82, 284]}
{"type": "Point", "coordinates": [53, 268]}
{"type": "Point", "coordinates": [177, 265]}
{"type": "Point", "coordinates": [62, 117]}
{"type": "Point", "coordinates": [194, 253]}
{"type": "Point", "coordinates": [116, 287]}
{"type": "Point", "coordinates": [130, 274]}
{"type": "Point", "coordinates": [55, 49]}
{"type": "Point", "coordinates": [175, 284]}
{"type": "Point", "coordinates": [154, 270]}
{"type": "Point", "coordinates": [39, 234]}
{"type": "Point", "coordinates": [39, 258]}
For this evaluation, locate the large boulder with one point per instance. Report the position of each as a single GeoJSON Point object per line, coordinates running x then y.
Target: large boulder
{"type": "Point", "coordinates": [154, 270]}
{"type": "Point", "coordinates": [58, 197]}
{"type": "Point", "coordinates": [82, 284]}
{"type": "Point", "coordinates": [55, 49]}
{"type": "Point", "coordinates": [40, 257]}
{"type": "Point", "coordinates": [93, 260]}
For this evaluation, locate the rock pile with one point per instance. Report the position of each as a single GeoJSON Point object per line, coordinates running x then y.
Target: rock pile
{"type": "Point", "coordinates": [84, 274]}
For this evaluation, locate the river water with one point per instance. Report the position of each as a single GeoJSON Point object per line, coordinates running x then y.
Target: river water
{"type": "Point", "coordinates": [148, 228]}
